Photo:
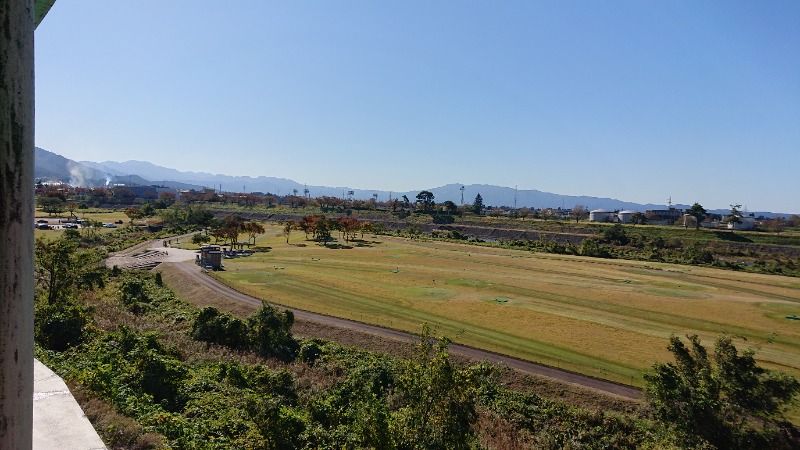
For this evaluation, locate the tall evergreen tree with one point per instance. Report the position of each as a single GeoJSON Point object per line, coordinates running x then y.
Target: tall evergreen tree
{"type": "Point", "coordinates": [477, 205]}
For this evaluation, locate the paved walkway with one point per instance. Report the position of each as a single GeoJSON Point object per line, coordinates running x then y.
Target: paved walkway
{"type": "Point", "coordinates": [58, 420]}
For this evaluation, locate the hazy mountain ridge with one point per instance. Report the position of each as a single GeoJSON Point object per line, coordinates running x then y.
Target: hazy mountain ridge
{"type": "Point", "coordinates": [93, 174]}
{"type": "Point", "coordinates": [50, 166]}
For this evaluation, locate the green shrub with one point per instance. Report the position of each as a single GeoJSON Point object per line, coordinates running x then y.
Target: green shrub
{"type": "Point", "coordinates": [216, 327]}
{"type": "Point", "coordinates": [310, 351]}
{"type": "Point", "coordinates": [593, 248]}
{"type": "Point", "coordinates": [62, 325]}
{"type": "Point", "coordinates": [271, 332]}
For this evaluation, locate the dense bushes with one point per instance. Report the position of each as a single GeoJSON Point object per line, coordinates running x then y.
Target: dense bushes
{"type": "Point", "coordinates": [213, 326]}
{"type": "Point", "coordinates": [267, 331]}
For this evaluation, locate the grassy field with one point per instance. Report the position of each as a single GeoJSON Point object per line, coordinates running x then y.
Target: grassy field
{"type": "Point", "coordinates": [605, 318]}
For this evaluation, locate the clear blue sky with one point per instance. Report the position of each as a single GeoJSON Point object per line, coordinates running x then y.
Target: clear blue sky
{"type": "Point", "coordinates": [640, 101]}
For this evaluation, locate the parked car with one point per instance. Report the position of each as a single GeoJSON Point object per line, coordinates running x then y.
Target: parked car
{"type": "Point", "coordinates": [41, 221]}
{"type": "Point", "coordinates": [109, 225]}
{"type": "Point", "coordinates": [70, 225]}
{"type": "Point", "coordinates": [43, 226]}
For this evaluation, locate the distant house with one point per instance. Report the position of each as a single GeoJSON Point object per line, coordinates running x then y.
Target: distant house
{"type": "Point", "coordinates": [747, 223]}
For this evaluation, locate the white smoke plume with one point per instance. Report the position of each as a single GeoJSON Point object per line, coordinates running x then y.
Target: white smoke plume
{"type": "Point", "coordinates": [77, 177]}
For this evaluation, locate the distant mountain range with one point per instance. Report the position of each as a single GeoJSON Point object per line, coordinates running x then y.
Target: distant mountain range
{"type": "Point", "coordinates": [51, 166]}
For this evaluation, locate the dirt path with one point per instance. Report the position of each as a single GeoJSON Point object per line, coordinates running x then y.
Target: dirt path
{"type": "Point", "coordinates": [196, 274]}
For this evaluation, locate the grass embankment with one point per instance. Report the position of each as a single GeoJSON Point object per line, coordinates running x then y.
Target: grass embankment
{"type": "Point", "coordinates": [605, 318]}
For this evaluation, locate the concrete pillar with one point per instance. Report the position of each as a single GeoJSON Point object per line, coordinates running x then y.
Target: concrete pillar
{"type": "Point", "coordinates": [16, 223]}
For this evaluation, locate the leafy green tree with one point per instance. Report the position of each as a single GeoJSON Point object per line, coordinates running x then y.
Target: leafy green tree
{"type": "Point", "coordinates": [322, 230]}
{"type": "Point", "coordinates": [199, 239]}
{"type": "Point", "coordinates": [436, 400]}
{"type": "Point", "coordinates": [711, 399]}
{"type": "Point", "coordinates": [52, 205]}
{"type": "Point", "coordinates": [698, 212]}
{"type": "Point", "coordinates": [61, 271]}
{"type": "Point", "coordinates": [425, 199]}
{"type": "Point", "coordinates": [477, 205]}
{"type": "Point", "coordinates": [450, 207]}
{"type": "Point", "coordinates": [134, 213]}
{"type": "Point", "coordinates": [271, 332]}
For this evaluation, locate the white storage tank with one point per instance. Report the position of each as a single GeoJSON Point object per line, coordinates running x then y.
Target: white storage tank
{"type": "Point", "coordinates": [625, 215]}
{"type": "Point", "coordinates": [601, 215]}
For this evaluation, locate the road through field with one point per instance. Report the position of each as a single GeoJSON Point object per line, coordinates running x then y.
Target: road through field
{"type": "Point", "coordinates": [195, 273]}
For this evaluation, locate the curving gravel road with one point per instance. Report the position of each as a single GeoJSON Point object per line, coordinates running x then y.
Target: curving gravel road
{"type": "Point", "coordinates": [195, 272]}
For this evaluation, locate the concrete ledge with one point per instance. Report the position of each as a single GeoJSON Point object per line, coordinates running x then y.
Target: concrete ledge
{"type": "Point", "coordinates": [58, 420]}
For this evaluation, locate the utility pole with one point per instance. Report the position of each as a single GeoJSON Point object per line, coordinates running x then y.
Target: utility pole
{"type": "Point", "coordinates": [462, 195]}
{"type": "Point", "coordinates": [16, 224]}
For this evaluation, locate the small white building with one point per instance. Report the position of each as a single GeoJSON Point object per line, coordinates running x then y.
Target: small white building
{"type": "Point", "coordinates": [625, 215]}
{"type": "Point", "coordinates": [601, 215]}
{"type": "Point", "coordinates": [747, 223]}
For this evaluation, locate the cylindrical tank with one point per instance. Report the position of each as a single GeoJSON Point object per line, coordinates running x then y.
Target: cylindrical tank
{"type": "Point", "coordinates": [600, 215]}
{"type": "Point", "coordinates": [625, 215]}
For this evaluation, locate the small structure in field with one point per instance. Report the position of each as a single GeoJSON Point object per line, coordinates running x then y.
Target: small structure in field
{"type": "Point", "coordinates": [210, 257]}
{"type": "Point", "coordinates": [745, 223]}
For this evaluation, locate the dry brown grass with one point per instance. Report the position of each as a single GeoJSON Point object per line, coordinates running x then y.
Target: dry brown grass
{"type": "Point", "coordinates": [606, 318]}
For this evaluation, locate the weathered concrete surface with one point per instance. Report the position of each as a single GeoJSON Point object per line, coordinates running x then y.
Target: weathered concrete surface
{"type": "Point", "coordinates": [16, 223]}
{"type": "Point", "coordinates": [58, 420]}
